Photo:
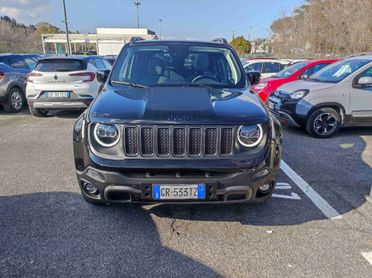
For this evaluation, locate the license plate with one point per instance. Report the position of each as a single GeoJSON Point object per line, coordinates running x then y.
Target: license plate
{"type": "Point", "coordinates": [178, 191]}
{"type": "Point", "coordinates": [58, 94]}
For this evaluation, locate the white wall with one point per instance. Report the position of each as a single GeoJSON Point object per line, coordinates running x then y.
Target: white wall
{"type": "Point", "coordinates": [121, 31]}
{"type": "Point", "coordinates": [109, 47]}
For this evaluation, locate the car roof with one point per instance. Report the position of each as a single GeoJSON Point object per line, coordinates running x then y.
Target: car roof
{"type": "Point", "coordinates": [367, 56]}
{"type": "Point", "coordinates": [267, 61]}
{"type": "Point", "coordinates": [160, 42]}
{"type": "Point", "coordinates": [17, 54]}
{"type": "Point", "coordinates": [71, 57]}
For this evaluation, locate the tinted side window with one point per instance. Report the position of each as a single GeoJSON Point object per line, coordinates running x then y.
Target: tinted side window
{"type": "Point", "coordinates": [99, 65]}
{"type": "Point", "coordinates": [271, 67]}
{"type": "Point", "coordinates": [18, 63]}
{"type": "Point", "coordinates": [30, 62]}
{"type": "Point", "coordinates": [254, 67]}
{"type": "Point", "coordinates": [4, 60]}
{"type": "Point", "coordinates": [106, 64]}
{"type": "Point", "coordinates": [319, 67]}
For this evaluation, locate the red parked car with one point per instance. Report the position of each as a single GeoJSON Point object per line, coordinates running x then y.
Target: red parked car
{"type": "Point", "coordinates": [300, 70]}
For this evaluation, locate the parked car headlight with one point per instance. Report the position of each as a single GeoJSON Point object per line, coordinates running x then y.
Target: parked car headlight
{"type": "Point", "coordinates": [250, 135]}
{"type": "Point", "coordinates": [106, 135]}
{"type": "Point", "coordinates": [260, 86]}
{"type": "Point", "coordinates": [299, 94]}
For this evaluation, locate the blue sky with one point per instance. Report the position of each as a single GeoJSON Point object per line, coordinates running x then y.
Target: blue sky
{"type": "Point", "coordinates": [182, 19]}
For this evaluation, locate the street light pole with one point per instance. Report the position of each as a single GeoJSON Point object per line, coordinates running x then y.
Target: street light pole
{"type": "Point", "coordinates": [249, 39]}
{"type": "Point", "coordinates": [67, 32]}
{"type": "Point", "coordinates": [137, 3]}
{"type": "Point", "coordinates": [160, 21]}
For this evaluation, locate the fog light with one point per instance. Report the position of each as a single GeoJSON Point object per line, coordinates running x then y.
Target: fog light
{"type": "Point", "coordinates": [265, 187]}
{"type": "Point", "coordinates": [90, 188]}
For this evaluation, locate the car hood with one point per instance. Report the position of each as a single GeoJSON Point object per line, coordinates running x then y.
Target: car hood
{"type": "Point", "coordinates": [304, 84]}
{"type": "Point", "coordinates": [176, 105]}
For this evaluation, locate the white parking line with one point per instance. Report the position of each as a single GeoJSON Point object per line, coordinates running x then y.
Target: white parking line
{"type": "Point", "coordinates": [322, 204]}
{"type": "Point", "coordinates": [368, 256]}
{"type": "Point", "coordinates": [293, 196]}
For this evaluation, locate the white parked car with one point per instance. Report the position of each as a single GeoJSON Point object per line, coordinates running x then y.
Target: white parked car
{"type": "Point", "coordinates": [267, 67]}
{"type": "Point", "coordinates": [68, 82]}
{"type": "Point", "coordinates": [338, 95]}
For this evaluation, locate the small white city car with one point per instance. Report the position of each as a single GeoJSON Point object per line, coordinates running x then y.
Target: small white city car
{"type": "Point", "coordinates": [267, 67]}
{"type": "Point", "coordinates": [338, 95]}
{"type": "Point", "coordinates": [68, 82]}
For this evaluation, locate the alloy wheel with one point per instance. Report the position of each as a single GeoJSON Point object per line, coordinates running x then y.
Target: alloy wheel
{"type": "Point", "coordinates": [325, 124]}
{"type": "Point", "coordinates": [16, 100]}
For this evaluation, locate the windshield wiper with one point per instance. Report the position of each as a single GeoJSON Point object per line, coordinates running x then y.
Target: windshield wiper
{"type": "Point", "coordinates": [131, 84]}
{"type": "Point", "coordinates": [199, 85]}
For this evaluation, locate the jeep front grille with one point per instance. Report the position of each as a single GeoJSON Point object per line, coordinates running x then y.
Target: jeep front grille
{"type": "Point", "coordinates": [176, 141]}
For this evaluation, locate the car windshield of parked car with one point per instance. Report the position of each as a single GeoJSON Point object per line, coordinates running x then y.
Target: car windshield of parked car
{"type": "Point", "coordinates": [177, 64]}
{"type": "Point", "coordinates": [290, 70]}
{"type": "Point", "coordinates": [337, 72]}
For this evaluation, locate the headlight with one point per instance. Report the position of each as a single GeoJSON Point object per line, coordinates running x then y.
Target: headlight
{"type": "Point", "coordinates": [250, 136]}
{"type": "Point", "coordinates": [79, 129]}
{"type": "Point", "coordinates": [260, 86]}
{"type": "Point", "coordinates": [299, 94]}
{"type": "Point", "coordinates": [106, 135]}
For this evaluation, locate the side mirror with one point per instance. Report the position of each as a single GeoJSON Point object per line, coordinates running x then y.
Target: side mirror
{"type": "Point", "coordinates": [102, 75]}
{"type": "Point", "coordinates": [304, 76]}
{"type": "Point", "coordinates": [254, 77]}
{"type": "Point", "coordinates": [365, 81]}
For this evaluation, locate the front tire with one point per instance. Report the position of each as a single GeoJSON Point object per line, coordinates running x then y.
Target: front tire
{"type": "Point", "coordinates": [15, 101]}
{"type": "Point", "coordinates": [38, 112]}
{"type": "Point", "coordinates": [323, 123]}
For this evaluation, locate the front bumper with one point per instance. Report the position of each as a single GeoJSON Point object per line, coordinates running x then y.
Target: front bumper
{"type": "Point", "coordinates": [131, 180]}
{"type": "Point", "coordinates": [285, 111]}
{"type": "Point", "coordinates": [236, 187]}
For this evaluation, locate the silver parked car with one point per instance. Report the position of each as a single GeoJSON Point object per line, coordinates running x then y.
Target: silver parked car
{"type": "Point", "coordinates": [12, 88]}
{"type": "Point", "coordinates": [336, 96]}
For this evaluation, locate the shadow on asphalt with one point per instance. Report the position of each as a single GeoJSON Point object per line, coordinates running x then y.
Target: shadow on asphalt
{"type": "Point", "coordinates": [58, 234]}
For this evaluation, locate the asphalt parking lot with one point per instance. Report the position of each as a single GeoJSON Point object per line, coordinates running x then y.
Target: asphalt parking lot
{"type": "Point", "coordinates": [318, 223]}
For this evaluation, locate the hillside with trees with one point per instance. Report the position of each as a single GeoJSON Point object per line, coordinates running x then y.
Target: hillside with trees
{"type": "Point", "coordinates": [324, 27]}
{"type": "Point", "coordinates": [19, 38]}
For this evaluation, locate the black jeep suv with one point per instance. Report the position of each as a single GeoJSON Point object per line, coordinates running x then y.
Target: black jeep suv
{"type": "Point", "coordinates": [176, 123]}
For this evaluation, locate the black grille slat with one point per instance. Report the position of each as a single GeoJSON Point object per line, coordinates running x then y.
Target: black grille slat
{"type": "Point", "coordinates": [210, 141]}
{"type": "Point", "coordinates": [131, 139]}
{"type": "Point", "coordinates": [179, 141]}
{"type": "Point", "coordinates": [147, 141]}
{"type": "Point", "coordinates": [226, 141]}
{"type": "Point", "coordinates": [195, 141]}
{"type": "Point", "coordinates": [163, 141]}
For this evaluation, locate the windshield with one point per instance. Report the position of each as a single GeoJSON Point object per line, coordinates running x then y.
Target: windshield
{"type": "Point", "coordinates": [176, 64]}
{"type": "Point", "coordinates": [55, 65]}
{"type": "Point", "coordinates": [336, 72]}
{"type": "Point", "coordinates": [290, 70]}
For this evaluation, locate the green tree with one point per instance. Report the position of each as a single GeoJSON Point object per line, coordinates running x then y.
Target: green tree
{"type": "Point", "coordinates": [46, 28]}
{"type": "Point", "coordinates": [241, 45]}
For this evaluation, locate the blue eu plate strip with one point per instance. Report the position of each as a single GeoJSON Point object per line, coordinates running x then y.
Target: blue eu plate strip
{"type": "Point", "coordinates": [201, 191]}
{"type": "Point", "coordinates": [156, 192]}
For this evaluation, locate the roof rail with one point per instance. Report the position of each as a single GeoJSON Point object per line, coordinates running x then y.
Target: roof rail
{"type": "Point", "coordinates": [360, 54]}
{"type": "Point", "coordinates": [136, 39]}
{"type": "Point", "coordinates": [220, 40]}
